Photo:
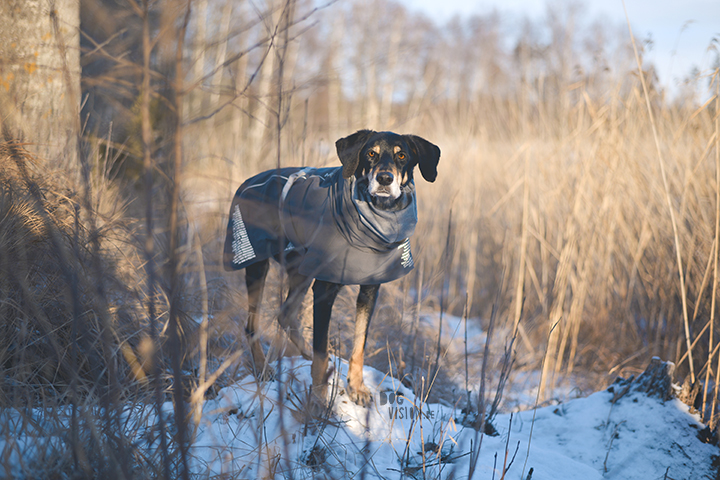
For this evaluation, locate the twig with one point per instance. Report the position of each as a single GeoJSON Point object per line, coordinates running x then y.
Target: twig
{"type": "Point", "coordinates": [175, 92]}
{"type": "Point", "coordinates": [149, 167]}
{"type": "Point", "coordinates": [506, 467]}
{"type": "Point", "coordinates": [512, 460]}
{"type": "Point", "coordinates": [203, 340]}
{"type": "Point", "coordinates": [468, 407]}
{"type": "Point", "coordinates": [494, 466]}
{"type": "Point", "coordinates": [612, 437]}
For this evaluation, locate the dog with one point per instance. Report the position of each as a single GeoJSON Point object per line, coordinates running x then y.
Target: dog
{"type": "Point", "coordinates": [330, 227]}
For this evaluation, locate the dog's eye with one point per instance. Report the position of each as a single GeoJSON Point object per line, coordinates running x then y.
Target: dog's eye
{"type": "Point", "coordinates": [371, 153]}
{"type": "Point", "coordinates": [401, 156]}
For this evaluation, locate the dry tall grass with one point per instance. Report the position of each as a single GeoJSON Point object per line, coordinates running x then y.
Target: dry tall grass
{"type": "Point", "coordinates": [549, 207]}
{"type": "Point", "coordinates": [549, 172]}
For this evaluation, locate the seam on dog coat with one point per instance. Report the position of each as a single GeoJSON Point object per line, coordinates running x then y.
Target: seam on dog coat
{"type": "Point", "coordinates": [327, 220]}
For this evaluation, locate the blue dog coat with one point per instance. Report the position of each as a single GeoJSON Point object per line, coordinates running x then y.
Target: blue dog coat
{"type": "Point", "coordinates": [326, 219]}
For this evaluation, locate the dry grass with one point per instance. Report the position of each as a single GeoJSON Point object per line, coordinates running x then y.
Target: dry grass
{"type": "Point", "coordinates": [72, 347]}
{"type": "Point", "coordinates": [549, 206]}
{"type": "Point", "coordinates": [51, 303]}
{"type": "Point", "coordinates": [599, 255]}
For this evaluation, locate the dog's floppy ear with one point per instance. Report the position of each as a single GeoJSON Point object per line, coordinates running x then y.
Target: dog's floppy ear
{"type": "Point", "coordinates": [348, 150]}
{"type": "Point", "coordinates": [427, 156]}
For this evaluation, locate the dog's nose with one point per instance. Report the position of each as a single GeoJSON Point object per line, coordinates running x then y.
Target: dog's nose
{"type": "Point", "coordinates": [384, 178]}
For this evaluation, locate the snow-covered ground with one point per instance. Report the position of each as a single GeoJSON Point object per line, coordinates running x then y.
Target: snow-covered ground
{"type": "Point", "coordinates": [247, 432]}
{"type": "Point", "coordinates": [260, 430]}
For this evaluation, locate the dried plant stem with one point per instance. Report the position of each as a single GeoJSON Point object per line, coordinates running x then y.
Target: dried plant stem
{"type": "Point", "coordinates": [678, 253]}
{"type": "Point", "coordinates": [717, 247]}
{"type": "Point", "coordinates": [227, 363]}
{"type": "Point", "coordinates": [468, 407]}
{"type": "Point", "coordinates": [612, 437]}
{"type": "Point", "coordinates": [471, 265]}
{"type": "Point", "coordinates": [532, 424]}
{"type": "Point", "coordinates": [447, 256]}
{"type": "Point", "coordinates": [148, 170]}
{"type": "Point", "coordinates": [506, 467]}
{"type": "Point", "coordinates": [547, 379]}
{"type": "Point", "coordinates": [203, 334]}
{"type": "Point", "coordinates": [416, 313]}
{"type": "Point", "coordinates": [174, 328]}
{"type": "Point", "coordinates": [520, 288]}
{"type": "Point", "coordinates": [281, 47]}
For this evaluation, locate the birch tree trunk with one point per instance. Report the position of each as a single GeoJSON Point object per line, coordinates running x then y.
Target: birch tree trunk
{"type": "Point", "coordinates": [40, 76]}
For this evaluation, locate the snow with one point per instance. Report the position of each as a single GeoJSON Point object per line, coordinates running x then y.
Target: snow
{"type": "Point", "coordinates": [246, 429]}
{"type": "Point", "coordinates": [258, 430]}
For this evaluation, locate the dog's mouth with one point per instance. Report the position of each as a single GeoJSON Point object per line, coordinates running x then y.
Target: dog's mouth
{"type": "Point", "coordinates": [383, 192]}
{"type": "Point", "coordinates": [384, 198]}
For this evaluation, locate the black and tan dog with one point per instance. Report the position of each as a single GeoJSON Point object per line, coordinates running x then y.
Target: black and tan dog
{"type": "Point", "coordinates": [347, 225]}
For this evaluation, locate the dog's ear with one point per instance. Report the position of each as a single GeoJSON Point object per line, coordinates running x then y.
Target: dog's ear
{"type": "Point", "coordinates": [348, 150]}
{"type": "Point", "coordinates": [426, 155]}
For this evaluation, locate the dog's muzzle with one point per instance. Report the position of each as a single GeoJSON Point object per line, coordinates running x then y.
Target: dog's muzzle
{"type": "Point", "coordinates": [384, 184]}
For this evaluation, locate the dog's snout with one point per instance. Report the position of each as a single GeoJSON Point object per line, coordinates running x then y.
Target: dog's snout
{"type": "Point", "coordinates": [385, 178]}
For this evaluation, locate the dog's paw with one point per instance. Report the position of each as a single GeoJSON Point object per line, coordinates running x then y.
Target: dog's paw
{"type": "Point", "coordinates": [360, 395]}
{"type": "Point", "coordinates": [318, 403]}
{"type": "Point", "coordinates": [298, 346]}
{"type": "Point", "coordinates": [265, 374]}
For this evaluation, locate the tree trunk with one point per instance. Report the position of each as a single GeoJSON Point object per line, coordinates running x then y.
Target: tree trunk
{"type": "Point", "coordinates": [40, 76]}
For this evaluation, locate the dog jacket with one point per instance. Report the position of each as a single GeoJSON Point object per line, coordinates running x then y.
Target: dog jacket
{"type": "Point", "coordinates": [330, 222]}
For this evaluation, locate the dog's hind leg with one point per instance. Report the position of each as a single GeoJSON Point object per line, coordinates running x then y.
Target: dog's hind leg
{"type": "Point", "coordinates": [324, 294]}
{"type": "Point", "coordinates": [367, 298]}
{"type": "Point", "coordinates": [255, 280]}
{"type": "Point", "coordinates": [289, 318]}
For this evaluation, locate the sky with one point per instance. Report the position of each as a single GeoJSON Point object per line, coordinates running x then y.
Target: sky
{"type": "Point", "coordinates": [681, 30]}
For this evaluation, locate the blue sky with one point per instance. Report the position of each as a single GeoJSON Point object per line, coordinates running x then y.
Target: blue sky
{"type": "Point", "coordinates": [676, 50]}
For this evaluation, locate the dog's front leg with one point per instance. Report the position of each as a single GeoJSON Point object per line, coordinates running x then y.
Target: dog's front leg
{"type": "Point", "coordinates": [367, 298]}
{"type": "Point", "coordinates": [324, 294]}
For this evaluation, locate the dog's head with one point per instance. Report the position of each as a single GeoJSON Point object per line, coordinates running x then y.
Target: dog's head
{"type": "Point", "coordinates": [386, 160]}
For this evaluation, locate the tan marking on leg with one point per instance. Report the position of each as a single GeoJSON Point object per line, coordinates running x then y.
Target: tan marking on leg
{"type": "Point", "coordinates": [357, 390]}
{"type": "Point", "coordinates": [357, 359]}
